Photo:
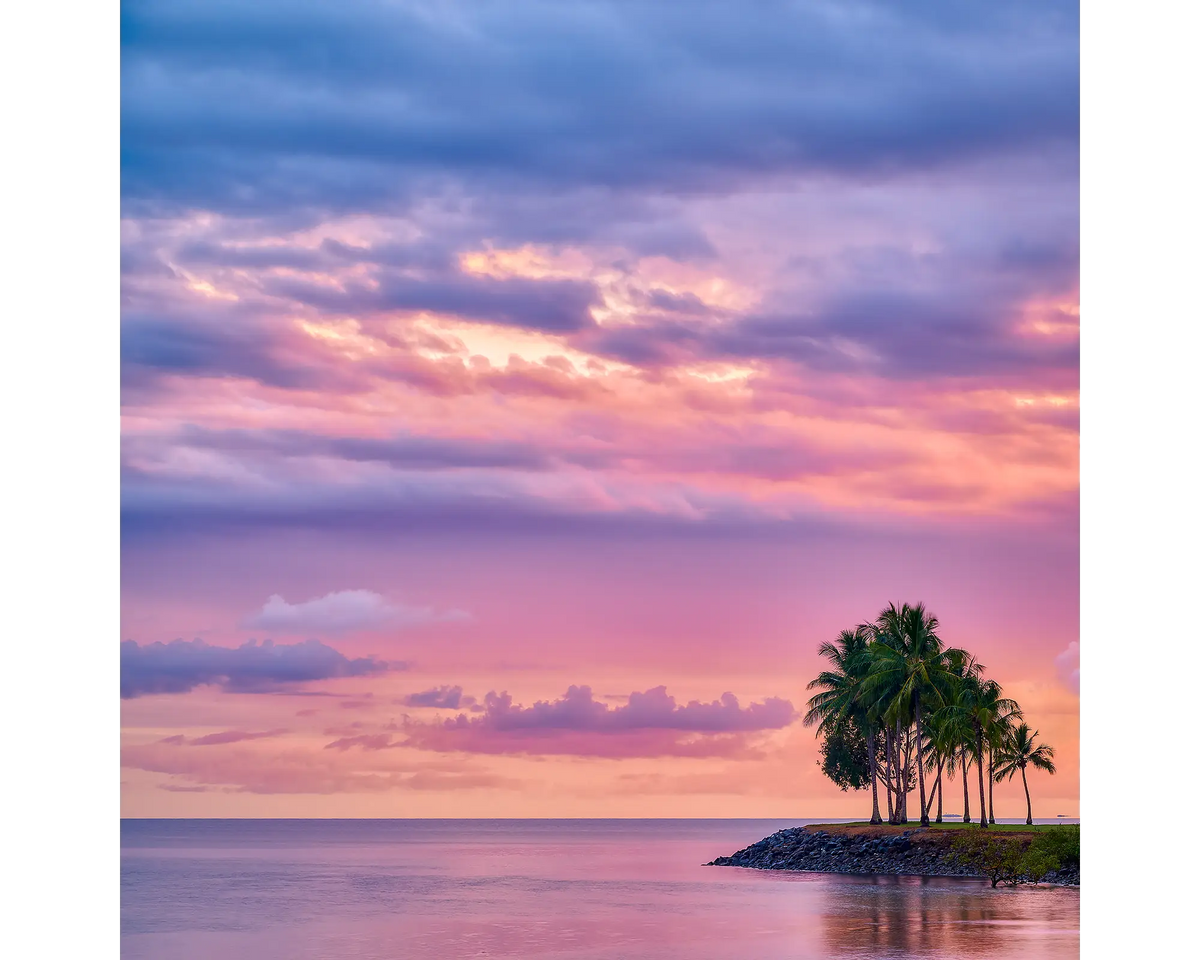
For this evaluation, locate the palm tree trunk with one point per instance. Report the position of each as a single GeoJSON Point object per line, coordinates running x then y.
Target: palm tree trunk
{"type": "Point", "coordinates": [920, 763]}
{"type": "Point", "coordinates": [894, 761]}
{"type": "Point", "coordinates": [1028, 803]}
{"type": "Point", "coordinates": [979, 766]}
{"type": "Point", "coordinates": [875, 818]}
{"type": "Point", "coordinates": [937, 785]}
{"type": "Point", "coordinates": [887, 768]}
{"type": "Point", "coordinates": [887, 772]}
{"type": "Point", "coordinates": [991, 784]}
{"type": "Point", "coordinates": [939, 790]}
{"type": "Point", "coordinates": [966, 787]}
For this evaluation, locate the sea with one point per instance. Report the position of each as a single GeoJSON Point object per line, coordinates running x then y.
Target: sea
{"type": "Point", "coordinates": [544, 890]}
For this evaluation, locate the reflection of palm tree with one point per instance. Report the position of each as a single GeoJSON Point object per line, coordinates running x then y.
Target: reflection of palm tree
{"type": "Point", "coordinates": [1020, 750]}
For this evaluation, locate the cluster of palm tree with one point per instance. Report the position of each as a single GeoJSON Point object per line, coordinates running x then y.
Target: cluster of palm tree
{"type": "Point", "coordinates": [912, 712]}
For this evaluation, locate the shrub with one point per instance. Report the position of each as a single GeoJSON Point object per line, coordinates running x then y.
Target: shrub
{"type": "Point", "coordinates": [1007, 860]}
{"type": "Point", "coordinates": [1061, 844]}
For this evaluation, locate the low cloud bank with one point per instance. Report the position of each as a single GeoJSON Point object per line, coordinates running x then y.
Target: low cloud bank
{"type": "Point", "coordinates": [180, 666]}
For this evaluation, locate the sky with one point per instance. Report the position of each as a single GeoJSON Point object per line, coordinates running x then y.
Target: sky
{"type": "Point", "coordinates": [515, 395]}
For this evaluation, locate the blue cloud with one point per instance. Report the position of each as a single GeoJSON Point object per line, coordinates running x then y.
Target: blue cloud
{"type": "Point", "coordinates": [349, 105]}
{"type": "Point", "coordinates": [180, 666]}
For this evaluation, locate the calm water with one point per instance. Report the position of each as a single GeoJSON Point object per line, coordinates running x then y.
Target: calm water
{"type": "Point", "coordinates": [545, 889]}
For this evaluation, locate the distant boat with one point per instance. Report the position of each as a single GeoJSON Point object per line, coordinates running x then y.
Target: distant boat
{"type": "Point", "coordinates": [1062, 814]}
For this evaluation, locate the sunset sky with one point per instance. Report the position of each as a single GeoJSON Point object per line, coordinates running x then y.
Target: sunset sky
{"type": "Point", "coordinates": [516, 394]}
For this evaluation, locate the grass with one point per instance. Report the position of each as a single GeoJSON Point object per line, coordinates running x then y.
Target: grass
{"type": "Point", "coordinates": [953, 825]}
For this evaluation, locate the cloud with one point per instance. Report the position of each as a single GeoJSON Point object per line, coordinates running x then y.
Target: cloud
{"type": "Point", "coordinates": [180, 666]}
{"type": "Point", "coordinates": [444, 697]}
{"type": "Point", "coordinates": [1067, 665]}
{"type": "Point", "coordinates": [297, 770]}
{"type": "Point", "coordinates": [407, 451]}
{"type": "Point", "coordinates": [800, 272]}
{"type": "Point", "coordinates": [363, 106]}
{"type": "Point", "coordinates": [221, 738]}
{"type": "Point", "coordinates": [342, 612]}
{"type": "Point", "coordinates": [368, 741]}
{"type": "Point", "coordinates": [654, 709]}
{"type": "Point", "coordinates": [652, 723]}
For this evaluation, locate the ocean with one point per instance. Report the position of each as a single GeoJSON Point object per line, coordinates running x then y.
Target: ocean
{"type": "Point", "coordinates": [544, 889]}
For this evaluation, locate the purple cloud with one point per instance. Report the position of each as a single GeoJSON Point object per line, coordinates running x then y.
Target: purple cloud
{"type": "Point", "coordinates": [652, 723]}
{"type": "Point", "coordinates": [444, 697]}
{"type": "Point", "coordinates": [223, 737]}
{"type": "Point", "coordinates": [654, 709]}
{"type": "Point", "coordinates": [180, 666]}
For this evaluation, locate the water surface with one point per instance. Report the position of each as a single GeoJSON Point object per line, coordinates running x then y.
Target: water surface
{"type": "Point", "coordinates": [544, 889]}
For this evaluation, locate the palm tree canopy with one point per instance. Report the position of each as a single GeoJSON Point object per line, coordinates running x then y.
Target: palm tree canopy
{"type": "Point", "coordinates": [1020, 750]}
{"type": "Point", "coordinates": [840, 687]}
{"type": "Point", "coordinates": [909, 661]}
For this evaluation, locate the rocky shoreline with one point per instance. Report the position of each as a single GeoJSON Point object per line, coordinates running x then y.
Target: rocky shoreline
{"type": "Point", "coordinates": [867, 850]}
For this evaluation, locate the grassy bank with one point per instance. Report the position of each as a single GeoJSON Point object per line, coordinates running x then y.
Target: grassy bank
{"type": "Point", "coordinates": [885, 829]}
{"type": "Point", "coordinates": [1007, 853]}
{"type": "Point", "coordinates": [1043, 853]}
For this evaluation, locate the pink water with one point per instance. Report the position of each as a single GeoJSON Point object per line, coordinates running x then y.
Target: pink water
{"type": "Point", "coordinates": [545, 889]}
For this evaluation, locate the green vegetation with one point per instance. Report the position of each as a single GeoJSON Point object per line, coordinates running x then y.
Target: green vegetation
{"type": "Point", "coordinates": [898, 707]}
{"type": "Point", "coordinates": [956, 825]}
{"type": "Point", "coordinates": [1011, 861]}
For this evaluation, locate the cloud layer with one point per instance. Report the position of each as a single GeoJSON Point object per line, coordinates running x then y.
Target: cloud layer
{"type": "Point", "coordinates": [651, 723]}
{"type": "Point", "coordinates": [651, 334]}
{"type": "Point", "coordinates": [341, 612]}
{"type": "Point", "coordinates": [180, 666]}
{"type": "Point", "coordinates": [233, 109]}
{"type": "Point", "coordinates": [808, 267]}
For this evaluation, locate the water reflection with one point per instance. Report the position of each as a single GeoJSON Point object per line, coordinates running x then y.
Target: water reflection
{"type": "Point", "coordinates": [944, 917]}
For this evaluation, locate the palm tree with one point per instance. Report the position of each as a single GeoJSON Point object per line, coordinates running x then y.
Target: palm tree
{"type": "Point", "coordinates": [955, 717]}
{"type": "Point", "coordinates": [841, 697]}
{"type": "Point", "coordinates": [882, 690]}
{"type": "Point", "coordinates": [943, 743]}
{"type": "Point", "coordinates": [998, 727]}
{"type": "Point", "coordinates": [911, 664]}
{"type": "Point", "coordinates": [963, 764]}
{"type": "Point", "coordinates": [972, 706]}
{"type": "Point", "coordinates": [1020, 751]}
{"type": "Point", "coordinates": [987, 702]}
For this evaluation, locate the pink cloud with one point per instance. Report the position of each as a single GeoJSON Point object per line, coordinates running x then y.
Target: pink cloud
{"type": "Point", "coordinates": [232, 736]}
{"type": "Point", "coordinates": [1067, 665]}
{"type": "Point", "coordinates": [368, 741]}
{"type": "Point", "coordinates": [297, 770]}
{"type": "Point", "coordinates": [650, 724]}
{"type": "Point", "coordinates": [342, 612]}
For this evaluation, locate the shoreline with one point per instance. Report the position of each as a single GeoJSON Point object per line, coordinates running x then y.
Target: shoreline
{"type": "Point", "coordinates": [880, 850]}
